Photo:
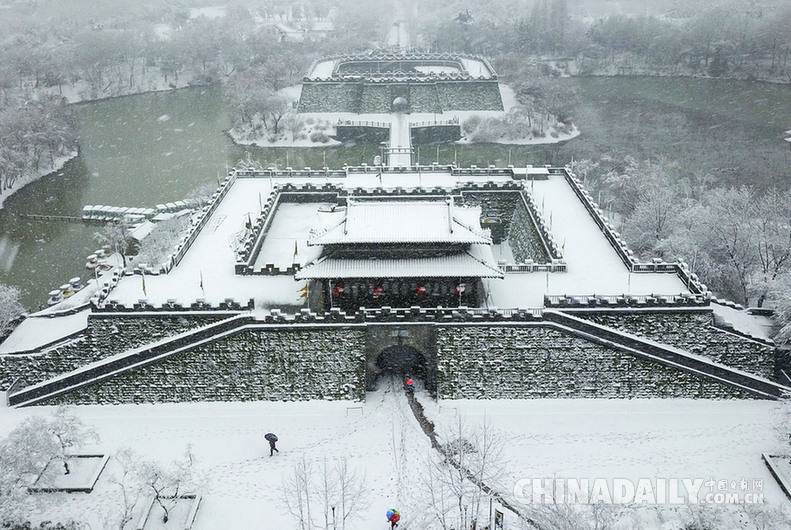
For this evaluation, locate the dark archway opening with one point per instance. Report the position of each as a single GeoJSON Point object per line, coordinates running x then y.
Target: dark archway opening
{"type": "Point", "coordinates": [401, 362]}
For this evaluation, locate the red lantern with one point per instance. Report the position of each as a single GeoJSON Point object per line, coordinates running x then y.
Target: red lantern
{"type": "Point", "coordinates": [421, 290]}
{"type": "Point", "coordinates": [379, 290]}
{"type": "Point", "coordinates": [460, 288]}
{"type": "Point", "coordinates": [338, 289]}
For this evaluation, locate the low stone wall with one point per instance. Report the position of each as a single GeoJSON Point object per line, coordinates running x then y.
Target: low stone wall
{"type": "Point", "coordinates": [363, 134]}
{"type": "Point", "coordinates": [435, 134]}
{"type": "Point", "coordinates": [538, 361]}
{"type": "Point", "coordinates": [254, 364]}
{"type": "Point", "coordinates": [691, 331]}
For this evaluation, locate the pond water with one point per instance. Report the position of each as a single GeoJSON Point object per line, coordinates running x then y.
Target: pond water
{"type": "Point", "coordinates": [152, 148]}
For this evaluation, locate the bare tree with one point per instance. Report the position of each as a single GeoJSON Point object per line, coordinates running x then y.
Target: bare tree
{"type": "Point", "coordinates": [336, 490]}
{"type": "Point", "coordinates": [169, 483]}
{"type": "Point", "coordinates": [70, 433]}
{"type": "Point", "coordinates": [351, 490]}
{"type": "Point", "coordinates": [454, 485]}
{"type": "Point", "coordinates": [128, 489]}
{"type": "Point", "coordinates": [295, 493]}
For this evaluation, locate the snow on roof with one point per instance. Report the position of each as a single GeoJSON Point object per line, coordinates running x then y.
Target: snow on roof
{"type": "Point", "coordinates": [477, 262]}
{"type": "Point", "coordinates": [404, 222]}
{"type": "Point", "coordinates": [142, 230]}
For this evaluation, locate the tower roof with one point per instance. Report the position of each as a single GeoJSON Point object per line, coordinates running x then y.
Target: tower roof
{"type": "Point", "coordinates": [383, 222]}
{"type": "Point", "coordinates": [475, 262]}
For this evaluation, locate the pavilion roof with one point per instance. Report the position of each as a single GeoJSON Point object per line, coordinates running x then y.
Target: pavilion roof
{"type": "Point", "coordinates": [375, 221]}
{"type": "Point", "coordinates": [476, 262]}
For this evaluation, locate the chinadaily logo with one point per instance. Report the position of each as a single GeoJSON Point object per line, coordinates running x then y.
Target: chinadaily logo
{"type": "Point", "coordinates": [656, 491]}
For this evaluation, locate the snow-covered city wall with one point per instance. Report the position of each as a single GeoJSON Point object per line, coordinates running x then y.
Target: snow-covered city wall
{"type": "Point", "coordinates": [274, 364]}
{"type": "Point", "coordinates": [500, 362]}
{"type": "Point", "coordinates": [106, 335]}
{"type": "Point", "coordinates": [468, 357]}
{"type": "Point", "coordinates": [694, 332]}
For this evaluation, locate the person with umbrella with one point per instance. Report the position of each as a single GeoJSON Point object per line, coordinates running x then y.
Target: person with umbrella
{"type": "Point", "coordinates": [272, 439]}
{"type": "Point", "coordinates": [393, 516]}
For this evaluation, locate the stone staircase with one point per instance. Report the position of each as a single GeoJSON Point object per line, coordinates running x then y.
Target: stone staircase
{"type": "Point", "coordinates": [123, 362]}
{"type": "Point", "coordinates": [669, 356]}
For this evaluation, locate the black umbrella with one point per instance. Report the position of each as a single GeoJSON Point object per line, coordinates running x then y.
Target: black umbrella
{"type": "Point", "coordinates": [270, 437]}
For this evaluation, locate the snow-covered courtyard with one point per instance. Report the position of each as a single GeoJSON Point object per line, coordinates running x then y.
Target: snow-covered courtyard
{"type": "Point", "coordinates": [576, 439]}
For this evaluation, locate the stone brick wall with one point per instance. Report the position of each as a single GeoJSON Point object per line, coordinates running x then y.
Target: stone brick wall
{"type": "Point", "coordinates": [254, 364]}
{"type": "Point", "coordinates": [691, 331]}
{"type": "Point", "coordinates": [523, 237]}
{"type": "Point", "coordinates": [512, 362]}
{"type": "Point", "coordinates": [106, 335]}
{"type": "Point", "coordinates": [500, 205]}
{"type": "Point", "coordinates": [508, 360]}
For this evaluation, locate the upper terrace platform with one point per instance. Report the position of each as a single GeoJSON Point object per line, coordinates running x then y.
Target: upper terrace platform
{"type": "Point", "coordinates": [594, 261]}
{"type": "Point", "coordinates": [384, 64]}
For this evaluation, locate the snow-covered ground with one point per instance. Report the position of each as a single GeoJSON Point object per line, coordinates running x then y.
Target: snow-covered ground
{"type": "Point", "coordinates": [476, 68]}
{"type": "Point", "coordinates": [628, 439]}
{"type": "Point", "coordinates": [593, 265]}
{"type": "Point", "coordinates": [326, 121]}
{"type": "Point", "coordinates": [207, 270]}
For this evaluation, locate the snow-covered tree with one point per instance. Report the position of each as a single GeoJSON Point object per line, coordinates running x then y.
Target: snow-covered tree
{"type": "Point", "coordinates": [29, 448]}
{"type": "Point", "coordinates": [118, 238]}
{"type": "Point", "coordinates": [69, 432]}
{"type": "Point", "coordinates": [168, 483]}
{"type": "Point", "coordinates": [23, 455]}
{"type": "Point", "coordinates": [160, 243]}
{"type": "Point", "coordinates": [10, 307]}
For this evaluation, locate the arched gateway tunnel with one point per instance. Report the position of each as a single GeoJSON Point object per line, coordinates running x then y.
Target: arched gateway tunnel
{"type": "Point", "coordinates": [401, 351]}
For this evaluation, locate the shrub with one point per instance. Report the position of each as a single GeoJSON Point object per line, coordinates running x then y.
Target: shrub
{"type": "Point", "coordinates": [470, 124]}
{"type": "Point", "coordinates": [319, 137]}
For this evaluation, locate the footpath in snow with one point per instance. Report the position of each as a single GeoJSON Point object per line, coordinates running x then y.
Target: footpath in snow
{"type": "Point", "coordinates": [629, 439]}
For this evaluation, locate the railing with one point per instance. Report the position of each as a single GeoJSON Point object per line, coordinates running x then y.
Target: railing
{"type": "Point", "coordinates": [363, 123]}
{"type": "Point", "coordinates": [410, 314]}
{"type": "Point", "coordinates": [174, 306]}
{"type": "Point", "coordinates": [396, 56]}
{"type": "Point", "coordinates": [534, 267]}
{"type": "Point", "coordinates": [438, 123]}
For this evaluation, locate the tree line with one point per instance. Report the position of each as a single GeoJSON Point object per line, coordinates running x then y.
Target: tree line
{"type": "Point", "coordinates": [33, 133]}
{"type": "Point", "coordinates": [743, 39]}
{"type": "Point", "coordinates": [737, 240]}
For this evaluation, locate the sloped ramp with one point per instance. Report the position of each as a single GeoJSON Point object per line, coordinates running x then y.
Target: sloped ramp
{"type": "Point", "coordinates": [129, 360]}
{"type": "Point", "coordinates": [669, 356]}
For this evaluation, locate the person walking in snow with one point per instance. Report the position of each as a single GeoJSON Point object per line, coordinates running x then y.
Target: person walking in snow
{"type": "Point", "coordinates": [393, 517]}
{"type": "Point", "coordinates": [272, 439]}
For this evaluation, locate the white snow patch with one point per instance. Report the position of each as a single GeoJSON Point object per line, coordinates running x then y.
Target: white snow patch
{"type": "Point", "coordinates": [632, 439]}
